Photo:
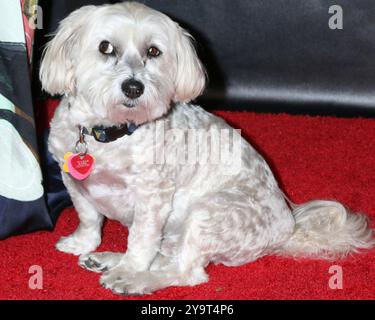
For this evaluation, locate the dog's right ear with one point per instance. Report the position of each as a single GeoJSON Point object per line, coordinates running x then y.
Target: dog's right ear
{"type": "Point", "coordinates": [56, 70]}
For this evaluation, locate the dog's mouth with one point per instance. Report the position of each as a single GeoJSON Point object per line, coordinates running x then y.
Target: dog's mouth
{"type": "Point", "coordinates": [129, 105]}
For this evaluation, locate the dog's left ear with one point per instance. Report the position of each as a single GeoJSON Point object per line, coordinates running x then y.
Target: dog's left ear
{"type": "Point", "coordinates": [190, 78]}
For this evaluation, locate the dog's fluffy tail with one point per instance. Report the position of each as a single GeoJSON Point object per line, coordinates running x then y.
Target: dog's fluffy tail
{"type": "Point", "coordinates": [327, 230]}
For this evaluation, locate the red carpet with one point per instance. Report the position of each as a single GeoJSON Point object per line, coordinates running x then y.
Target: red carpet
{"type": "Point", "coordinates": [313, 157]}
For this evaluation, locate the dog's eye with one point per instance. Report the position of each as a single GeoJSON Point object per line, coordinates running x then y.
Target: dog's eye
{"type": "Point", "coordinates": [153, 52]}
{"type": "Point", "coordinates": [106, 48]}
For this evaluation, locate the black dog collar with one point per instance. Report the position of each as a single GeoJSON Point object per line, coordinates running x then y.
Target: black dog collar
{"type": "Point", "coordinates": [110, 134]}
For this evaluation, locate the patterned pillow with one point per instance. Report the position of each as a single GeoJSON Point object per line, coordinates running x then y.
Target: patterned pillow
{"type": "Point", "coordinates": [22, 198]}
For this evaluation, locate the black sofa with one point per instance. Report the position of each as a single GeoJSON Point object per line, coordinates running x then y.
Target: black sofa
{"type": "Point", "coordinates": [272, 55]}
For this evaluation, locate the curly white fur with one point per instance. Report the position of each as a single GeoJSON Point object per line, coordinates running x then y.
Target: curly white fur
{"type": "Point", "coordinates": [180, 217]}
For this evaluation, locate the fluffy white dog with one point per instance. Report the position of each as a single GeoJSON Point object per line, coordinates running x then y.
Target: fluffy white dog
{"type": "Point", "coordinates": [126, 70]}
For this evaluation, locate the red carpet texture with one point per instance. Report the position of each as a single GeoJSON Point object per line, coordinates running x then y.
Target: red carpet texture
{"type": "Point", "coordinates": [312, 157]}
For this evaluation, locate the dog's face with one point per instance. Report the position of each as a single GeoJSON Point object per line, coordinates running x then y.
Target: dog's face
{"type": "Point", "coordinates": [129, 62]}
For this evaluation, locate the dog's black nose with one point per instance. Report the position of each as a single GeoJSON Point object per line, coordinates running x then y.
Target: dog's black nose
{"type": "Point", "coordinates": [132, 88]}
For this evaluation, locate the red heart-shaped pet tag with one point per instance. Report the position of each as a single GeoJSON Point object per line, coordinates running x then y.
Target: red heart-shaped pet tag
{"type": "Point", "coordinates": [80, 165]}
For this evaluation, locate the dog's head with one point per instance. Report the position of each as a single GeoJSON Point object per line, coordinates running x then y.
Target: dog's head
{"type": "Point", "coordinates": [129, 62]}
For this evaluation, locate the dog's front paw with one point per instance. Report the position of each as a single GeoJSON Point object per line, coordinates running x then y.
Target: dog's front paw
{"type": "Point", "coordinates": [77, 245]}
{"type": "Point", "coordinates": [100, 261]}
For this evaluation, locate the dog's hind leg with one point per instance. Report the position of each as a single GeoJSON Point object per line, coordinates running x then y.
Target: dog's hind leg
{"type": "Point", "coordinates": [224, 227]}
{"type": "Point", "coordinates": [185, 252]}
{"type": "Point", "coordinates": [187, 269]}
{"type": "Point", "coordinates": [182, 266]}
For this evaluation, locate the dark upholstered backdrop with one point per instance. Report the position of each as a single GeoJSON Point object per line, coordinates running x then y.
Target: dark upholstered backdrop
{"type": "Point", "coordinates": [278, 55]}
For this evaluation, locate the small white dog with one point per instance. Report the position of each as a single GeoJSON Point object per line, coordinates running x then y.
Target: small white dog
{"type": "Point", "coordinates": [124, 70]}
